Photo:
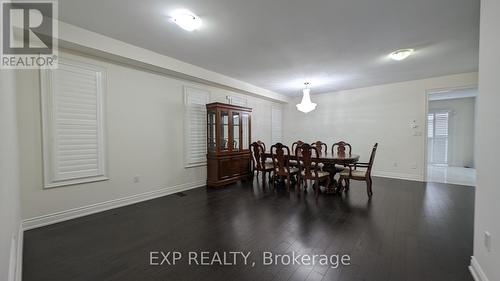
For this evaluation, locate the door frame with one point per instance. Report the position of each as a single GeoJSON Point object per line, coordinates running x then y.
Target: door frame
{"type": "Point", "coordinates": [428, 93]}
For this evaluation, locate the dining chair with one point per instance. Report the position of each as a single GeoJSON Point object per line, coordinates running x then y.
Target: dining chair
{"type": "Point", "coordinates": [340, 148]}
{"type": "Point", "coordinates": [259, 161]}
{"type": "Point", "coordinates": [261, 143]}
{"type": "Point", "coordinates": [280, 155]}
{"type": "Point", "coordinates": [309, 168]}
{"type": "Point", "coordinates": [296, 144]}
{"type": "Point", "coordinates": [264, 146]}
{"type": "Point", "coordinates": [352, 172]}
{"type": "Point", "coordinates": [321, 146]}
{"type": "Point", "coordinates": [294, 148]}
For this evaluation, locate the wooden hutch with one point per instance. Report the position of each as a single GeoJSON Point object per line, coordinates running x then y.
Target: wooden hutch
{"type": "Point", "coordinates": [228, 143]}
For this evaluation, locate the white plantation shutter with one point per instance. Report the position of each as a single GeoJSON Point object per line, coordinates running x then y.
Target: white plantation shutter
{"type": "Point", "coordinates": [438, 124]}
{"type": "Point", "coordinates": [430, 125]}
{"type": "Point", "coordinates": [276, 125]}
{"type": "Point", "coordinates": [195, 101]}
{"type": "Point", "coordinates": [72, 114]}
{"type": "Point", "coordinates": [441, 127]}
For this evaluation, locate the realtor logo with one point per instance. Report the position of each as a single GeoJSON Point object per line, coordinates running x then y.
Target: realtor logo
{"type": "Point", "coordinates": [29, 34]}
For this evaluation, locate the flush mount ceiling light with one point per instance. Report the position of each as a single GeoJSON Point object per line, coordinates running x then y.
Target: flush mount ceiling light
{"type": "Point", "coordinates": [186, 19]}
{"type": "Point", "coordinates": [401, 54]}
{"type": "Point", "coordinates": [306, 105]}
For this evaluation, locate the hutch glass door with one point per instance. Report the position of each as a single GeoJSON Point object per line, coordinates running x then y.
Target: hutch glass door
{"type": "Point", "coordinates": [236, 130]}
{"type": "Point", "coordinates": [245, 130]}
{"type": "Point", "coordinates": [224, 131]}
{"type": "Point", "coordinates": [211, 131]}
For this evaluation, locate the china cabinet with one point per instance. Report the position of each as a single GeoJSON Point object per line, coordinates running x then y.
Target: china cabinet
{"type": "Point", "coordinates": [228, 143]}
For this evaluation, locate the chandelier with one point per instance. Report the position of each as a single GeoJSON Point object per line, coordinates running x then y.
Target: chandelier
{"type": "Point", "coordinates": [306, 105]}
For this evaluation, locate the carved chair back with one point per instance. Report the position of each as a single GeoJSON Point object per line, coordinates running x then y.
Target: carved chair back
{"type": "Point", "coordinates": [321, 146]}
{"type": "Point", "coordinates": [372, 158]}
{"type": "Point", "coordinates": [340, 148]}
{"type": "Point", "coordinates": [309, 155]}
{"type": "Point", "coordinates": [296, 144]}
{"type": "Point", "coordinates": [280, 154]}
{"type": "Point", "coordinates": [258, 156]}
{"type": "Point", "coordinates": [262, 144]}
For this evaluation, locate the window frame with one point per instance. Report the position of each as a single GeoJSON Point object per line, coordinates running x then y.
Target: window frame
{"type": "Point", "coordinates": [48, 124]}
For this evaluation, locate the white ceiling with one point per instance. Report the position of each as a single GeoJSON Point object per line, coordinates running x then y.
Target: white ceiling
{"type": "Point", "coordinates": [278, 44]}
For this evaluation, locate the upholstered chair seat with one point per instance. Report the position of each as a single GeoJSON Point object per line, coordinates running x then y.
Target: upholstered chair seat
{"type": "Point", "coordinates": [320, 165]}
{"type": "Point", "coordinates": [355, 173]}
{"type": "Point", "coordinates": [320, 174]}
{"type": "Point", "coordinates": [268, 166]}
{"type": "Point", "coordinates": [295, 162]}
{"type": "Point", "coordinates": [293, 170]}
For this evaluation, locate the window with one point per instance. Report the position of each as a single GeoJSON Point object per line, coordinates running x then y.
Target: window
{"type": "Point", "coordinates": [195, 135]}
{"type": "Point", "coordinates": [437, 133]}
{"type": "Point", "coordinates": [276, 125]}
{"type": "Point", "coordinates": [72, 116]}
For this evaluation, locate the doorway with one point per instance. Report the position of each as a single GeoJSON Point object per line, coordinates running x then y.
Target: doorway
{"type": "Point", "coordinates": [451, 122]}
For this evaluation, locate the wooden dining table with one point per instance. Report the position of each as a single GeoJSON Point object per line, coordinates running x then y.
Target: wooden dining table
{"type": "Point", "coordinates": [329, 160]}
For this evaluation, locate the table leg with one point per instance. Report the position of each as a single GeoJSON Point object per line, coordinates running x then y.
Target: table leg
{"type": "Point", "coordinates": [334, 185]}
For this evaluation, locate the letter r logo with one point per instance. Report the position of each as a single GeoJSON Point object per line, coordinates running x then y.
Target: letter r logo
{"type": "Point", "coordinates": [27, 27]}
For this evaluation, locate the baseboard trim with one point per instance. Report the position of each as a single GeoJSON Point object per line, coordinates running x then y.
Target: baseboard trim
{"type": "Point", "coordinates": [401, 176]}
{"type": "Point", "coordinates": [107, 205]}
{"type": "Point", "coordinates": [476, 271]}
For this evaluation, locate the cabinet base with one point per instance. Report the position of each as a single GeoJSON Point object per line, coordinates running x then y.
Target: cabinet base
{"type": "Point", "coordinates": [224, 182]}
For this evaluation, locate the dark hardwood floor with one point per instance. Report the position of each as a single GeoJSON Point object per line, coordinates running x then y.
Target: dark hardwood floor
{"type": "Point", "coordinates": [407, 231]}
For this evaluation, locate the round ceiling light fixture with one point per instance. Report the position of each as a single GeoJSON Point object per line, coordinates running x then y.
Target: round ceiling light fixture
{"type": "Point", "coordinates": [401, 54]}
{"type": "Point", "coordinates": [186, 19]}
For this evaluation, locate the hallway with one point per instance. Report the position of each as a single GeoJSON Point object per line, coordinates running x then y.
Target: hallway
{"type": "Point", "coordinates": [451, 175]}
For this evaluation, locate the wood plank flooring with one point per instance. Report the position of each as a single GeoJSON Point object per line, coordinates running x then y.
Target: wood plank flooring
{"type": "Point", "coordinates": [408, 231]}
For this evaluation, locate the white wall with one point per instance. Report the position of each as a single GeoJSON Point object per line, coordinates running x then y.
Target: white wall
{"type": "Point", "coordinates": [461, 129]}
{"type": "Point", "coordinates": [488, 136]}
{"type": "Point", "coordinates": [144, 137]}
{"type": "Point", "coordinates": [10, 213]}
{"type": "Point", "coordinates": [80, 39]}
{"type": "Point", "coordinates": [382, 114]}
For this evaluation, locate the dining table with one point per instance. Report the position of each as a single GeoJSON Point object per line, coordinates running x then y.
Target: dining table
{"type": "Point", "coordinates": [329, 160]}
